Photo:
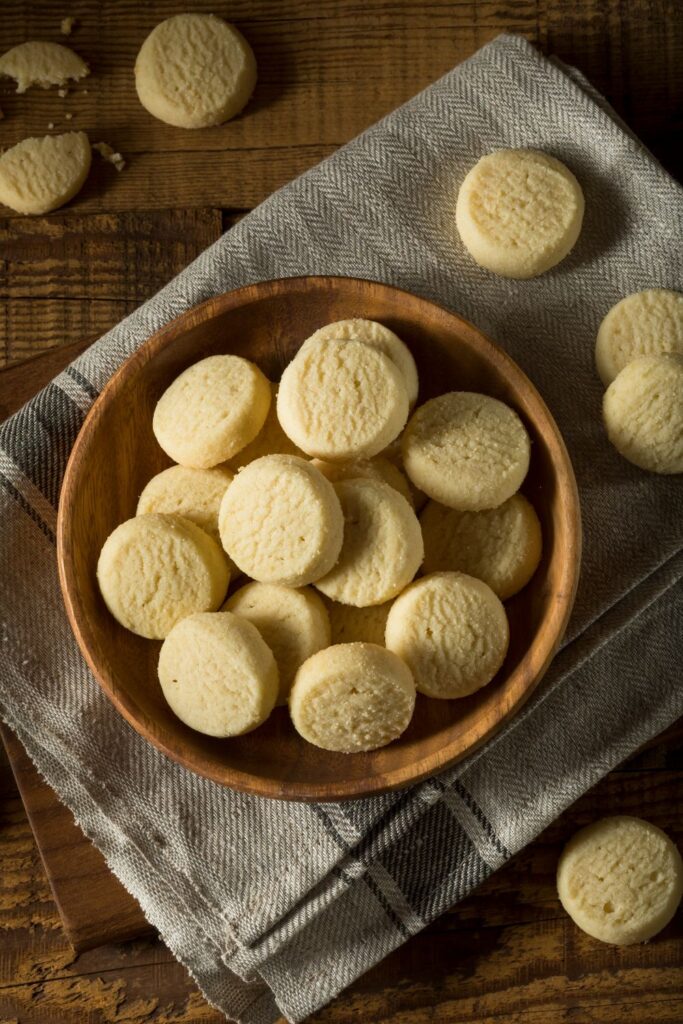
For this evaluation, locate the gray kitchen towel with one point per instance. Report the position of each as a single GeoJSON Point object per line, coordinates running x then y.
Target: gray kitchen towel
{"type": "Point", "coordinates": [276, 907]}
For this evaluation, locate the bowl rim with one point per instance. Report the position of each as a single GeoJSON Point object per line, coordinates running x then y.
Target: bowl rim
{"type": "Point", "coordinates": [391, 779]}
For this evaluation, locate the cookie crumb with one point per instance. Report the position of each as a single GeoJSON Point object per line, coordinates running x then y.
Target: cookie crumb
{"type": "Point", "coordinates": [109, 154]}
{"type": "Point", "coordinates": [68, 116]}
{"type": "Point", "coordinates": [51, 125]}
{"type": "Point", "coordinates": [62, 93]}
{"type": "Point", "coordinates": [67, 26]}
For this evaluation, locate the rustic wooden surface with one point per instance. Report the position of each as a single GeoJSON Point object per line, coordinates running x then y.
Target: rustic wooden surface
{"type": "Point", "coordinates": [328, 68]}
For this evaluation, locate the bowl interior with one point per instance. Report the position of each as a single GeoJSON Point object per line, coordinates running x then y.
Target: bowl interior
{"type": "Point", "coordinates": [116, 454]}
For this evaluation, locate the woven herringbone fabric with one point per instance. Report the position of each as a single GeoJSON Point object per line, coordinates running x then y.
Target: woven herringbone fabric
{"type": "Point", "coordinates": [279, 905]}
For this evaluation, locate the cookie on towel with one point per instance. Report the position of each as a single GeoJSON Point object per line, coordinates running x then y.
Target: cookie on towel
{"type": "Point", "coordinates": [352, 697]}
{"type": "Point", "coordinates": [39, 63]}
{"type": "Point", "coordinates": [218, 674]}
{"type": "Point", "coordinates": [281, 522]}
{"type": "Point", "coordinates": [452, 632]}
{"type": "Point", "coordinates": [294, 624]}
{"type": "Point", "coordinates": [519, 212]}
{"type": "Point", "coordinates": [643, 413]}
{"type": "Point", "coordinates": [382, 548]}
{"type": "Point", "coordinates": [466, 450]}
{"type": "Point", "coordinates": [211, 411]}
{"type": "Point", "coordinates": [377, 468]}
{"type": "Point", "coordinates": [40, 174]}
{"type": "Point", "coordinates": [648, 323]}
{"type": "Point", "coordinates": [341, 400]}
{"type": "Point", "coordinates": [154, 570]}
{"type": "Point", "coordinates": [620, 879]}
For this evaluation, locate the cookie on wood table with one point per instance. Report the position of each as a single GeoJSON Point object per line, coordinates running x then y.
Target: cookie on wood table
{"type": "Point", "coordinates": [378, 468]}
{"type": "Point", "coordinates": [211, 411]}
{"type": "Point", "coordinates": [195, 494]}
{"type": "Point", "coordinates": [155, 569]}
{"type": "Point", "coordinates": [39, 63]}
{"type": "Point", "coordinates": [40, 174]}
{"type": "Point", "coordinates": [218, 674]}
{"type": "Point", "coordinates": [270, 440]}
{"type": "Point", "coordinates": [466, 450]}
{"type": "Point", "coordinates": [341, 400]}
{"type": "Point", "coordinates": [352, 697]}
{"type": "Point", "coordinates": [501, 546]}
{"type": "Point", "coordinates": [648, 323]}
{"type": "Point", "coordinates": [620, 880]}
{"type": "Point", "coordinates": [294, 623]}
{"type": "Point", "coordinates": [380, 337]}
{"type": "Point", "coordinates": [350, 624]}
{"type": "Point", "coordinates": [519, 212]}
{"type": "Point", "coordinates": [281, 522]}
{"type": "Point", "coordinates": [452, 632]}
{"type": "Point", "coordinates": [382, 548]}
{"type": "Point", "coordinates": [194, 71]}
{"type": "Point", "coordinates": [643, 413]}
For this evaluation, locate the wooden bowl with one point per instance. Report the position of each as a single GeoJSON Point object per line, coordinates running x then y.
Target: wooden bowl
{"type": "Point", "coordinates": [116, 454]}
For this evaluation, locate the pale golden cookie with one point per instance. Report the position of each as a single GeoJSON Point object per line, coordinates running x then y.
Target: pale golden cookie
{"type": "Point", "coordinates": [382, 548]}
{"type": "Point", "coordinates": [194, 71]}
{"type": "Point", "coordinates": [466, 450]}
{"type": "Point", "coordinates": [378, 468]}
{"type": "Point", "coordinates": [193, 493]}
{"type": "Point", "coordinates": [501, 546]}
{"type": "Point", "coordinates": [281, 522]}
{"type": "Point", "coordinates": [620, 880]}
{"type": "Point", "coordinates": [351, 625]}
{"type": "Point", "coordinates": [643, 413]}
{"type": "Point", "coordinates": [341, 400]}
{"type": "Point", "coordinates": [39, 63]}
{"type": "Point", "coordinates": [211, 411]}
{"type": "Point", "coordinates": [39, 175]}
{"type": "Point", "coordinates": [452, 632]}
{"type": "Point", "coordinates": [218, 674]}
{"type": "Point", "coordinates": [647, 323]}
{"type": "Point", "coordinates": [519, 212]}
{"type": "Point", "coordinates": [352, 697]}
{"type": "Point", "coordinates": [154, 570]}
{"type": "Point", "coordinates": [270, 440]}
{"type": "Point", "coordinates": [380, 337]}
{"type": "Point", "coordinates": [294, 624]}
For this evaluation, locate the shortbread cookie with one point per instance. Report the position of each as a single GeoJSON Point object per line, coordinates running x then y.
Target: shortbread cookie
{"type": "Point", "coordinates": [156, 569]}
{"type": "Point", "coordinates": [378, 468]}
{"type": "Point", "coordinates": [452, 632]}
{"type": "Point", "coordinates": [351, 625]}
{"type": "Point", "coordinates": [294, 624]}
{"type": "Point", "coordinates": [195, 494]}
{"type": "Point", "coordinates": [218, 674]}
{"type": "Point", "coordinates": [211, 411]}
{"type": "Point", "coordinates": [466, 450]}
{"type": "Point", "coordinates": [382, 547]}
{"type": "Point", "coordinates": [194, 71]}
{"type": "Point", "coordinates": [341, 400]}
{"type": "Point", "coordinates": [647, 323]}
{"type": "Point", "coordinates": [281, 522]}
{"type": "Point", "coordinates": [643, 413]}
{"type": "Point", "coordinates": [519, 212]}
{"type": "Point", "coordinates": [620, 880]}
{"type": "Point", "coordinates": [40, 174]}
{"type": "Point", "coordinates": [270, 440]}
{"type": "Point", "coordinates": [44, 64]}
{"type": "Point", "coordinates": [380, 337]}
{"type": "Point", "coordinates": [501, 546]}
{"type": "Point", "coordinates": [352, 697]}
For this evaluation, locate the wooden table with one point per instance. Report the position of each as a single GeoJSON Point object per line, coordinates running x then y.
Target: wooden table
{"type": "Point", "coordinates": [327, 70]}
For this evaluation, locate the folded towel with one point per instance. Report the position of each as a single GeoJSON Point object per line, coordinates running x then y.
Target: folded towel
{"type": "Point", "coordinates": [276, 907]}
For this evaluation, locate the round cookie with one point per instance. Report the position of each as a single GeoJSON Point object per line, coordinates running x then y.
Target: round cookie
{"type": "Point", "coordinates": [194, 71]}
{"type": "Point", "coordinates": [40, 174]}
{"type": "Point", "coordinates": [352, 697]}
{"type": "Point", "coordinates": [380, 337]}
{"type": "Point", "coordinates": [620, 880]}
{"type": "Point", "coordinates": [154, 570]}
{"type": "Point", "coordinates": [341, 400]}
{"type": "Point", "coordinates": [270, 440]}
{"type": "Point", "coordinates": [466, 450]}
{"type": "Point", "coordinates": [643, 413]}
{"type": "Point", "coordinates": [382, 548]}
{"type": "Point", "coordinates": [378, 468]}
{"type": "Point", "coordinates": [501, 546]}
{"type": "Point", "coordinates": [294, 624]}
{"type": "Point", "coordinates": [350, 624]}
{"type": "Point", "coordinates": [519, 212]}
{"type": "Point", "coordinates": [648, 323]}
{"type": "Point", "coordinates": [195, 494]}
{"type": "Point", "coordinates": [452, 632]}
{"type": "Point", "coordinates": [218, 674]}
{"type": "Point", "coordinates": [211, 411]}
{"type": "Point", "coordinates": [281, 522]}
{"type": "Point", "coordinates": [40, 63]}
